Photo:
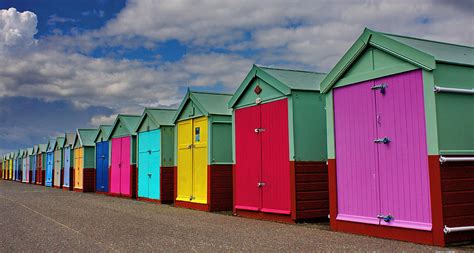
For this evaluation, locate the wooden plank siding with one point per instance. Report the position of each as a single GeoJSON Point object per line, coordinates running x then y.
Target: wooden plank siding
{"type": "Point", "coordinates": [312, 196]}
{"type": "Point", "coordinates": [457, 187]}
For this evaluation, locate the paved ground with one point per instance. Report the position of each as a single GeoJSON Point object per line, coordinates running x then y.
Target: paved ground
{"type": "Point", "coordinates": [36, 218]}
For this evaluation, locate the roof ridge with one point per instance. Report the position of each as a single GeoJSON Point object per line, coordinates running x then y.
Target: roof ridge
{"type": "Point", "coordinates": [422, 39]}
{"type": "Point", "coordinates": [288, 69]}
{"type": "Point", "coordinates": [159, 108]}
{"type": "Point", "coordinates": [211, 93]}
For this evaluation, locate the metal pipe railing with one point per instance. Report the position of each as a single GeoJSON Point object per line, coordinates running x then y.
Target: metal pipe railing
{"type": "Point", "coordinates": [444, 159]}
{"type": "Point", "coordinates": [438, 89]}
{"type": "Point", "coordinates": [448, 230]}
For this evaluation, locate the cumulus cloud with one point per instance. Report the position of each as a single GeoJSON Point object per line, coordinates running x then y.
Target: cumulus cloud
{"type": "Point", "coordinates": [16, 29]}
{"type": "Point", "coordinates": [300, 32]}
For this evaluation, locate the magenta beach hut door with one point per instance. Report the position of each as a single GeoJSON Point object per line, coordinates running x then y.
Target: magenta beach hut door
{"type": "Point", "coordinates": [122, 180]}
{"type": "Point", "coordinates": [383, 178]}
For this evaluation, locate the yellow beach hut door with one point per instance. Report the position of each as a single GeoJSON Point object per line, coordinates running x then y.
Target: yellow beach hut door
{"type": "Point", "coordinates": [192, 160]}
{"type": "Point", "coordinates": [78, 165]}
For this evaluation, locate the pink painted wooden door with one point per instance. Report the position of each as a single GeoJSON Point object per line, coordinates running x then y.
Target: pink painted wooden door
{"type": "Point", "coordinates": [115, 165]}
{"type": "Point", "coordinates": [356, 154]}
{"type": "Point", "coordinates": [275, 158]}
{"type": "Point", "coordinates": [248, 156]}
{"type": "Point", "coordinates": [403, 164]}
{"type": "Point", "coordinates": [125, 171]}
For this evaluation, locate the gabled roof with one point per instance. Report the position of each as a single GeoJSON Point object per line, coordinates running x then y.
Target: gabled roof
{"type": "Point", "coordinates": [129, 121]}
{"type": "Point", "coordinates": [209, 103]}
{"type": "Point", "coordinates": [419, 52]}
{"type": "Point", "coordinates": [35, 150]}
{"type": "Point", "coordinates": [29, 151]}
{"type": "Point", "coordinates": [51, 144]}
{"type": "Point", "coordinates": [69, 139]}
{"type": "Point", "coordinates": [59, 142]}
{"type": "Point", "coordinates": [283, 80]}
{"type": "Point", "coordinates": [159, 116]}
{"type": "Point", "coordinates": [42, 148]}
{"type": "Point", "coordinates": [85, 137]}
{"type": "Point", "coordinates": [103, 128]}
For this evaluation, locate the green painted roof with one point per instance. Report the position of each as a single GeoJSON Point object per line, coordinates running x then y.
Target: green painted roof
{"type": "Point", "coordinates": [419, 52]}
{"type": "Point", "coordinates": [103, 128]}
{"type": "Point", "coordinates": [69, 139]}
{"type": "Point", "coordinates": [42, 148]}
{"type": "Point", "coordinates": [85, 137]}
{"type": "Point", "coordinates": [59, 142]}
{"type": "Point", "coordinates": [296, 79]}
{"type": "Point", "coordinates": [130, 122]}
{"type": "Point", "coordinates": [160, 116]}
{"type": "Point", "coordinates": [51, 144]}
{"type": "Point", "coordinates": [209, 103]}
{"type": "Point", "coordinates": [444, 52]}
{"type": "Point", "coordinates": [284, 80]}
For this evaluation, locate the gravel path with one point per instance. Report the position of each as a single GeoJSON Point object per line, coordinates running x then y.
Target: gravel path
{"type": "Point", "coordinates": [40, 219]}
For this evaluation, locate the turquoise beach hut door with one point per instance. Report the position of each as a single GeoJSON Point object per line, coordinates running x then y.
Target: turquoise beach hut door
{"type": "Point", "coordinates": [149, 160]}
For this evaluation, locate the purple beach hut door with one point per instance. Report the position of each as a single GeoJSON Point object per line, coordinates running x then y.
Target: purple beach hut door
{"type": "Point", "coordinates": [381, 152]}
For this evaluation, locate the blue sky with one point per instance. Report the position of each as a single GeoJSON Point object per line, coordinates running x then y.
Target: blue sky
{"type": "Point", "coordinates": [71, 64]}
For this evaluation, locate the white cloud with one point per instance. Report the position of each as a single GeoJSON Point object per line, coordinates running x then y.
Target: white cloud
{"type": "Point", "coordinates": [102, 120]}
{"type": "Point", "coordinates": [300, 32]}
{"type": "Point", "coordinates": [16, 29]}
{"type": "Point", "coordinates": [53, 19]}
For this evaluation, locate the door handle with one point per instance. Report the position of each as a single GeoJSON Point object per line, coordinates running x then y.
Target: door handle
{"type": "Point", "coordinates": [386, 218]}
{"type": "Point", "coordinates": [260, 184]}
{"type": "Point", "coordinates": [259, 130]}
{"type": "Point", "coordinates": [380, 87]}
{"type": "Point", "coordinates": [384, 140]}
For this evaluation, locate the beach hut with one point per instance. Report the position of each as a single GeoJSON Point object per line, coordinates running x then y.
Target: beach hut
{"type": "Point", "coordinates": [33, 164]}
{"type": "Point", "coordinates": [123, 171]}
{"type": "Point", "coordinates": [25, 165]}
{"type": "Point", "coordinates": [400, 142]}
{"type": "Point", "coordinates": [68, 156]}
{"type": "Point", "coordinates": [58, 163]}
{"type": "Point", "coordinates": [2, 158]}
{"type": "Point", "coordinates": [203, 149]}
{"type": "Point", "coordinates": [16, 166]}
{"type": "Point", "coordinates": [49, 173]}
{"type": "Point", "coordinates": [280, 170]}
{"type": "Point", "coordinates": [41, 164]}
{"type": "Point", "coordinates": [102, 155]}
{"type": "Point", "coordinates": [155, 163]}
{"type": "Point", "coordinates": [84, 155]}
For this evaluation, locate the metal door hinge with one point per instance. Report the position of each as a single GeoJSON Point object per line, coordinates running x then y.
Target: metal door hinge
{"type": "Point", "coordinates": [380, 87]}
{"type": "Point", "coordinates": [386, 218]}
{"type": "Point", "coordinates": [384, 140]}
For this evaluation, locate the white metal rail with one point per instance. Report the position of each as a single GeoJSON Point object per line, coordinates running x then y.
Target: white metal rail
{"type": "Point", "coordinates": [439, 89]}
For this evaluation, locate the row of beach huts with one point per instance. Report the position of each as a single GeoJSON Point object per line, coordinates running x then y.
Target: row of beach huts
{"type": "Point", "coordinates": [382, 145]}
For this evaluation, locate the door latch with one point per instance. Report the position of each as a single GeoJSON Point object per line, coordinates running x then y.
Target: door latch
{"type": "Point", "coordinates": [191, 197]}
{"type": "Point", "coordinates": [260, 184]}
{"type": "Point", "coordinates": [149, 174]}
{"type": "Point", "coordinates": [386, 218]}
{"type": "Point", "coordinates": [190, 146]}
{"type": "Point", "coordinates": [380, 87]}
{"type": "Point", "coordinates": [384, 140]}
{"type": "Point", "coordinates": [259, 130]}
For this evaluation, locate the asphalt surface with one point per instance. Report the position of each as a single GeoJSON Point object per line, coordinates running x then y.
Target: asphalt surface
{"type": "Point", "coordinates": [40, 219]}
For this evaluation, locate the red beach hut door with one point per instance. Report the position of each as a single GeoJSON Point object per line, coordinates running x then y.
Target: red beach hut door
{"type": "Point", "coordinates": [275, 158]}
{"type": "Point", "coordinates": [262, 157]}
{"type": "Point", "coordinates": [249, 159]}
